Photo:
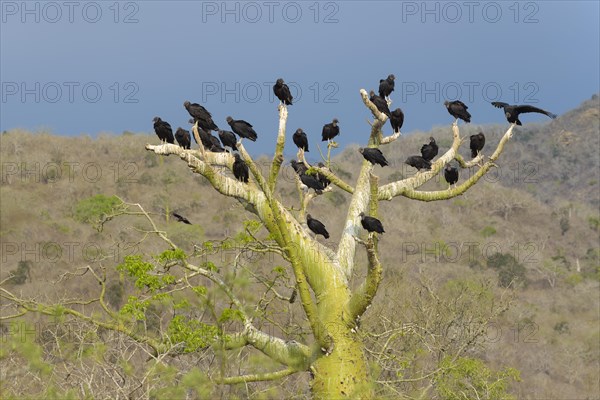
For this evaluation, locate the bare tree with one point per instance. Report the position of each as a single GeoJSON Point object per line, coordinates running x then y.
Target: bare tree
{"type": "Point", "coordinates": [332, 351]}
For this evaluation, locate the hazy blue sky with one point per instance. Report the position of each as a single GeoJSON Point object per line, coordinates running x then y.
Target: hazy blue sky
{"type": "Point", "coordinates": [84, 67]}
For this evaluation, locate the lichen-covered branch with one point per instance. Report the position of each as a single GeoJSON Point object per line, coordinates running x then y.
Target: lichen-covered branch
{"type": "Point", "coordinates": [358, 203]}
{"type": "Point", "coordinates": [363, 296]}
{"type": "Point", "coordinates": [267, 376]}
{"type": "Point", "coordinates": [380, 119]}
{"type": "Point", "coordinates": [463, 187]}
{"type": "Point", "coordinates": [336, 180]}
{"type": "Point", "coordinates": [391, 190]}
{"type": "Point", "coordinates": [278, 156]}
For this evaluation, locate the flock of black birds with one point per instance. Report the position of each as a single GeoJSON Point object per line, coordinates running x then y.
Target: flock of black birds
{"type": "Point", "coordinates": [318, 182]}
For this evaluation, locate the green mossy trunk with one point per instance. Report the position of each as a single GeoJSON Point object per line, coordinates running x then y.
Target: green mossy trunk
{"type": "Point", "coordinates": [343, 373]}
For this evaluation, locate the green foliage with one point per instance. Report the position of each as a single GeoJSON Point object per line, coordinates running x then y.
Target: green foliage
{"type": "Point", "coordinates": [229, 314]}
{"type": "Point", "coordinates": [171, 255]}
{"type": "Point", "coordinates": [192, 333]}
{"type": "Point", "coordinates": [92, 209]}
{"type": "Point", "coordinates": [21, 273]}
{"type": "Point", "coordinates": [469, 378]}
{"type": "Point", "coordinates": [488, 231]}
{"type": "Point", "coordinates": [510, 271]}
{"type": "Point", "coordinates": [136, 268]}
{"type": "Point", "coordinates": [251, 227]}
{"type": "Point", "coordinates": [135, 308]}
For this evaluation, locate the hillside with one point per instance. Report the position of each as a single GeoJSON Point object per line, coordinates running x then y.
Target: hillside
{"type": "Point", "coordinates": [541, 207]}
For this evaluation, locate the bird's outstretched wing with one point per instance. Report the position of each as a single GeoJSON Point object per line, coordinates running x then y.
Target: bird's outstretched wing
{"type": "Point", "coordinates": [181, 218]}
{"type": "Point", "coordinates": [530, 109]}
{"type": "Point", "coordinates": [499, 104]}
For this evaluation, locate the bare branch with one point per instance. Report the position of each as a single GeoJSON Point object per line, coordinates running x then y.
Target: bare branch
{"type": "Point", "coordinates": [391, 190]}
{"type": "Point", "coordinates": [278, 156]}
{"type": "Point", "coordinates": [268, 376]}
{"type": "Point", "coordinates": [462, 188]}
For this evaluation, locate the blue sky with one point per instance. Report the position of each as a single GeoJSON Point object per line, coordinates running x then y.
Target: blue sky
{"type": "Point", "coordinates": [89, 67]}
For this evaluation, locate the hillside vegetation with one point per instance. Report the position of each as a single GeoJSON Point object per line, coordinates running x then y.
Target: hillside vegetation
{"type": "Point", "coordinates": [533, 225]}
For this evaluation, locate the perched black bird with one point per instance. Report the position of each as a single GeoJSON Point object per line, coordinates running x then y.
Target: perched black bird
{"type": "Point", "coordinates": [163, 130]}
{"type": "Point", "coordinates": [397, 119]}
{"type": "Point", "coordinates": [181, 218]}
{"type": "Point", "coordinates": [316, 226]}
{"type": "Point", "coordinates": [386, 86]}
{"type": "Point", "coordinates": [201, 115]}
{"type": "Point", "coordinates": [282, 91]}
{"type": "Point", "coordinates": [215, 145]}
{"type": "Point", "coordinates": [299, 167]}
{"type": "Point", "coordinates": [418, 162]}
{"type": "Point", "coordinates": [373, 155]}
{"type": "Point", "coordinates": [321, 178]}
{"type": "Point", "coordinates": [228, 139]}
{"type": "Point", "coordinates": [451, 174]}
{"type": "Point", "coordinates": [300, 139]}
{"type": "Point", "coordinates": [429, 150]}
{"type": "Point", "coordinates": [311, 181]}
{"type": "Point", "coordinates": [371, 224]}
{"type": "Point", "coordinates": [183, 138]}
{"type": "Point", "coordinates": [512, 112]}
{"type": "Point", "coordinates": [242, 128]}
{"type": "Point", "coordinates": [240, 169]}
{"type": "Point", "coordinates": [380, 103]}
{"type": "Point", "coordinates": [458, 109]}
{"type": "Point", "coordinates": [204, 137]}
{"type": "Point", "coordinates": [476, 144]}
{"type": "Point", "coordinates": [330, 130]}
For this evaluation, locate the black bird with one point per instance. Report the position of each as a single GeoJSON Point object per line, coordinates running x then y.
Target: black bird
{"type": "Point", "coordinates": [228, 139]}
{"type": "Point", "coordinates": [316, 226]}
{"type": "Point", "coordinates": [242, 128]}
{"type": "Point", "coordinates": [311, 181]}
{"type": "Point", "coordinates": [373, 155]}
{"type": "Point", "coordinates": [240, 169]}
{"type": "Point", "coordinates": [201, 115]}
{"type": "Point", "coordinates": [451, 174]}
{"type": "Point", "coordinates": [458, 109]}
{"type": "Point", "coordinates": [282, 91]}
{"type": "Point", "coordinates": [300, 139]}
{"type": "Point", "coordinates": [299, 167]}
{"type": "Point", "coordinates": [380, 103]}
{"type": "Point", "coordinates": [181, 218]}
{"type": "Point", "coordinates": [397, 119]}
{"type": "Point", "coordinates": [418, 162]}
{"type": "Point", "coordinates": [183, 138]}
{"type": "Point", "coordinates": [512, 111]}
{"type": "Point", "coordinates": [191, 121]}
{"type": "Point", "coordinates": [215, 145]}
{"type": "Point", "coordinates": [429, 150]}
{"type": "Point", "coordinates": [386, 86]}
{"type": "Point", "coordinates": [163, 130]}
{"type": "Point", "coordinates": [371, 224]}
{"type": "Point", "coordinates": [204, 136]}
{"type": "Point", "coordinates": [330, 130]}
{"type": "Point", "coordinates": [476, 144]}
{"type": "Point", "coordinates": [321, 178]}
